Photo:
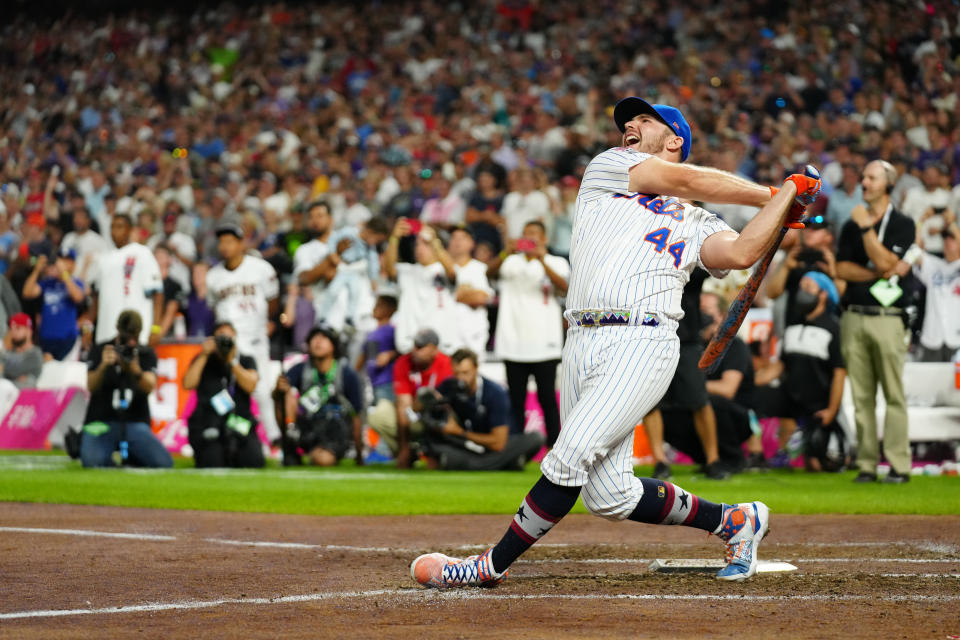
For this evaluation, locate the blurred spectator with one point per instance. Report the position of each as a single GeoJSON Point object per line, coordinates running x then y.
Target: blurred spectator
{"type": "Point", "coordinates": [21, 361]}
{"type": "Point", "coordinates": [424, 367]}
{"type": "Point", "coordinates": [87, 244]}
{"type": "Point", "coordinates": [472, 293]}
{"type": "Point", "coordinates": [466, 424]}
{"type": "Point", "coordinates": [425, 286]}
{"type": "Point", "coordinates": [9, 240]}
{"type": "Point", "coordinates": [483, 215]}
{"type": "Point", "coordinates": [221, 428]}
{"type": "Point", "coordinates": [872, 330]}
{"type": "Point", "coordinates": [182, 248]}
{"type": "Point", "coordinates": [525, 203]}
{"type": "Point", "coordinates": [730, 387]}
{"type": "Point", "coordinates": [9, 304]}
{"type": "Point", "coordinates": [62, 300]}
{"type": "Point", "coordinates": [408, 201]}
{"type": "Point", "coordinates": [844, 196]}
{"type": "Point", "coordinates": [243, 290]}
{"type": "Point", "coordinates": [379, 351]}
{"type": "Point", "coordinates": [445, 209]}
{"type": "Point", "coordinates": [313, 264]}
{"type": "Point", "coordinates": [813, 251]}
{"type": "Point", "coordinates": [324, 403]}
{"type": "Point", "coordinates": [357, 263]}
{"type": "Point", "coordinates": [563, 214]}
{"type": "Point", "coordinates": [122, 373]}
{"type": "Point", "coordinates": [174, 297]}
{"type": "Point", "coordinates": [940, 336]}
{"type": "Point", "coordinates": [926, 205]}
{"type": "Point", "coordinates": [811, 371]}
{"type": "Point", "coordinates": [529, 333]}
{"type": "Point", "coordinates": [198, 315]}
{"type": "Point", "coordinates": [126, 278]}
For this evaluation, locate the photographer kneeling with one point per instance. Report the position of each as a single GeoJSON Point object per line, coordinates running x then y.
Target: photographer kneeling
{"type": "Point", "coordinates": [465, 422]}
{"type": "Point", "coordinates": [222, 429]}
{"type": "Point", "coordinates": [121, 375]}
{"type": "Point", "coordinates": [322, 404]}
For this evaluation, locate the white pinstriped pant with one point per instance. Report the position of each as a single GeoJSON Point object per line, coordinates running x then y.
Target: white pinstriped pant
{"type": "Point", "coordinates": [611, 377]}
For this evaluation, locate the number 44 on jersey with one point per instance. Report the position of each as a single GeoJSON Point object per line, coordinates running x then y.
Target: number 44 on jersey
{"type": "Point", "coordinates": [660, 238]}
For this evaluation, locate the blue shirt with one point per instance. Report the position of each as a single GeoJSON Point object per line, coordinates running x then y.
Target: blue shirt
{"type": "Point", "coordinates": [59, 316]}
{"type": "Point", "coordinates": [357, 251]}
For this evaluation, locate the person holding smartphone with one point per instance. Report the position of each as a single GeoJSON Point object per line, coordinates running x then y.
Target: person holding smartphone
{"type": "Point", "coordinates": [529, 332]}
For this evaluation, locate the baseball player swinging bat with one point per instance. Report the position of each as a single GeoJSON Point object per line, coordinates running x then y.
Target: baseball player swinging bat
{"type": "Point", "coordinates": [730, 324]}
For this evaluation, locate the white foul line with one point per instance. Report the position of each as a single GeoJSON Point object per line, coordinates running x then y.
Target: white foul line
{"type": "Point", "coordinates": [87, 532]}
{"type": "Point", "coordinates": [462, 595]}
{"type": "Point", "coordinates": [302, 545]}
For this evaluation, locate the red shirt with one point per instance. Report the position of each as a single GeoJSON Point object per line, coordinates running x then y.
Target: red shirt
{"type": "Point", "coordinates": [407, 381]}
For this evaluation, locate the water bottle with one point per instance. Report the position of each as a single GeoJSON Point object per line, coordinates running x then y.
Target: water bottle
{"type": "Point", "coordinates": [179, 327]}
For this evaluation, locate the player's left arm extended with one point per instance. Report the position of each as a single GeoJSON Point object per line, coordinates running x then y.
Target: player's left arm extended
{"type": "Point", "coordinates": [692, 182]}
{"type": "Point", "coordinates": [729, 250]}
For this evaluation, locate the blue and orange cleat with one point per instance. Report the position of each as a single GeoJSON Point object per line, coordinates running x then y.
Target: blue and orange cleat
{"type": "Point", "coordinates": [743, 527]}
{"type": "Point", "coordinates": [443, 572]}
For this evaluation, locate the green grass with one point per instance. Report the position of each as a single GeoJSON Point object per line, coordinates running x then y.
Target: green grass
{"type": "Point", "coordinates": [383, 490]}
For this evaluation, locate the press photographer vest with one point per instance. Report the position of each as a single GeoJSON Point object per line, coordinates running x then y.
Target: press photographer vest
{"type": "Point", "coordinates": [329, 387]}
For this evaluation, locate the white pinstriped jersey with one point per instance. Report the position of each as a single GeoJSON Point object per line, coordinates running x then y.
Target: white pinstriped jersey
{"type": "Point", "coordinates": [631, 250]}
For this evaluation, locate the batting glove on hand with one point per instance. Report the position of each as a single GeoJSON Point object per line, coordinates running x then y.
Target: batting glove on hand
{"type": "Point", "coordinates": [808, 185]}
{"type": "Point", "coordinates": [795, 216]}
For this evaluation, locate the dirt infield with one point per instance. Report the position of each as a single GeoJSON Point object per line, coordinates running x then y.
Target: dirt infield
{"type": "Point", "coordinates": [226, 575]}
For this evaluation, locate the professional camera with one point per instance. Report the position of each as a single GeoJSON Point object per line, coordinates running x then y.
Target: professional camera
{"type": "Point", "coordinates": [126, 352]}
{"type": "Point", "coordinates": [224, 345]}
{"type": "Point", "coordinates": [435, 410]}
{"type": "Point", "coordinates": [327, 428]}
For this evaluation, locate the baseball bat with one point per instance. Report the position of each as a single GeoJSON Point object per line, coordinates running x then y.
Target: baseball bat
{"type": "Point", "coordinates": [728, 328]}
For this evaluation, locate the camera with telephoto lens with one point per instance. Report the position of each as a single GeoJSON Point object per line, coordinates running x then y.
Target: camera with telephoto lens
{"type": "Point", "coordinates": [435, 411]}
{"type": "Point", "coordinates": [224, 345]}
{"type": "Point", "coordinates": [125, 352]}
{"type": "Point", "coordinates": [327, 428]}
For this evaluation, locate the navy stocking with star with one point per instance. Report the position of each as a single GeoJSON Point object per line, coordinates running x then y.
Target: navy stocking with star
{"type": "Point", "coordinates": [666, 503]}
{"type": "Point", "coordinates": [543, 507]}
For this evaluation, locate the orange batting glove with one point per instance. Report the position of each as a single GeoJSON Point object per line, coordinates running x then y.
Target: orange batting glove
{"type": "Point", "coordinates": [808, 185]}
{"type": "Point", "coordinates": [796, 214]}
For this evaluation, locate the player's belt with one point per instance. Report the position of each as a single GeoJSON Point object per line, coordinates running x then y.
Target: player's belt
{"type": "Point", "coordinates": [610, 317]}
{"type": "Point", "coordinates": [870, 310]}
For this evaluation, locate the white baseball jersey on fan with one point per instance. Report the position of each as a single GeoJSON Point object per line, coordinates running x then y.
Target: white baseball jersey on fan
{"type": "Point", "coordinates": [241, 297]}
{"type": "Point", "coordinates": [425, 301]}
{"type": "Point", "coordinates": [530, 320]}
{"type": "Point", "coordinates": [473, 324]}
{"type": "Point", "coordinates": [125, 278]}
{"type": "Point", "coordinates": [628, 251]}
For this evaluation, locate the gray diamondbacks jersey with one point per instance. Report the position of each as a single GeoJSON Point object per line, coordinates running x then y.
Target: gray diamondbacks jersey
{"type": "Point", "coordinates": [632, 250]}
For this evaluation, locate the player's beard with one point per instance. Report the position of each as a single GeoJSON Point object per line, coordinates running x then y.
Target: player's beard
{"type": "Point", "coordinates": [653, 146]}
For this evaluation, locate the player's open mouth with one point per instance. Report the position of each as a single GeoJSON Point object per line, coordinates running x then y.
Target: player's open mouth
{"type": "Point", "coordinates": [631, 139]}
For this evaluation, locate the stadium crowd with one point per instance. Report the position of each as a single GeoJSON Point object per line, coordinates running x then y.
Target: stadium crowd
{"type": "Point", "coordinates": [400, 183]}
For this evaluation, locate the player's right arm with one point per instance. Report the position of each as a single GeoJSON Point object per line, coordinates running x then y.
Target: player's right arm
{"type": "Point", "coordinates": [661, 177]}
{"type": "Point", "coordinates": [730, 250]}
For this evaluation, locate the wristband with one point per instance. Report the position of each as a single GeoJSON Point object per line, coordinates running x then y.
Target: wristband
{"type": "Point", "coordinates": [394, 240]}
{"type": "Point", "coordinates": [156, 329]}
{"type": "Point", "coordinates": [773, 191]}
{"type": "Point", "coordinates": [864, 230]}
{"type": "Point", "coordinates": [503, 255]}
{"type": "Point", "coordinates": [65, 275]}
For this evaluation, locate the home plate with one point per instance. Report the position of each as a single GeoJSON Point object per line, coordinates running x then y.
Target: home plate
{"type": "Point", "coordinates": [709, 565]}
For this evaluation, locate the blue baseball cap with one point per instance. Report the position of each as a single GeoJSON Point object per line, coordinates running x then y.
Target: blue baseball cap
{"type": "Point", "coordinates": [826, 284]}
{"type": "Point", "coordinates": [629, 108]}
